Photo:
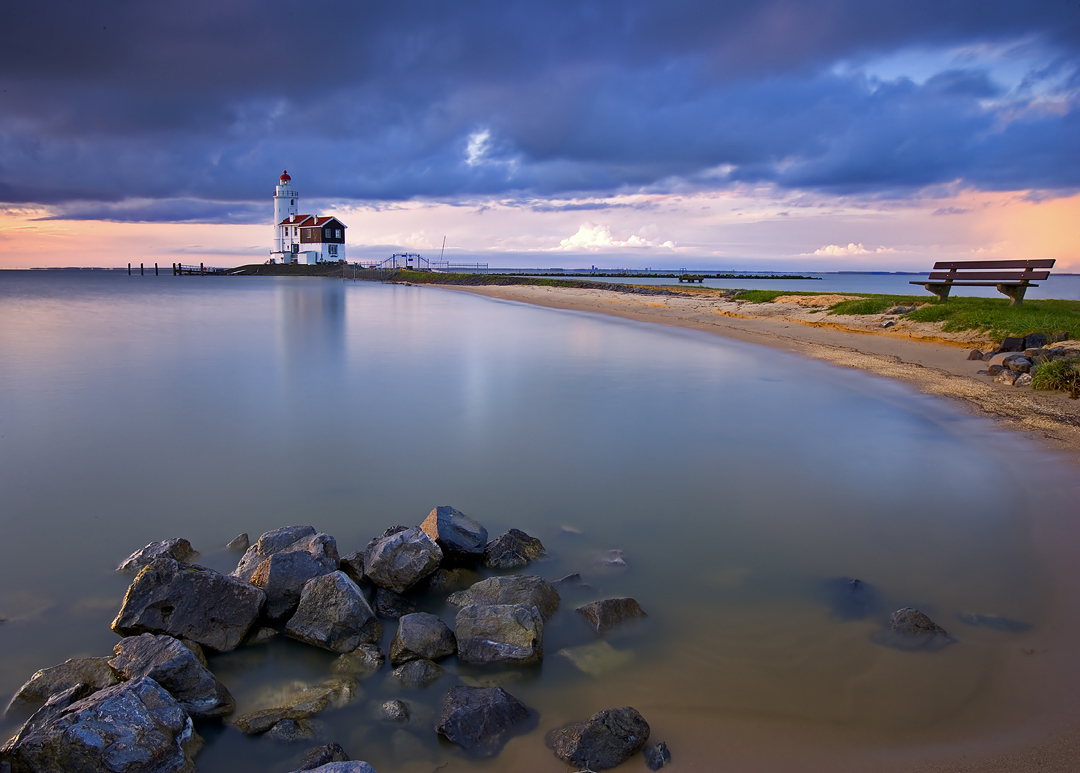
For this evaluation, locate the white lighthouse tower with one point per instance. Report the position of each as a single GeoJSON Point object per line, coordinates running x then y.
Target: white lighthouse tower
{"type": "Point", "coordinates": [286, 201]}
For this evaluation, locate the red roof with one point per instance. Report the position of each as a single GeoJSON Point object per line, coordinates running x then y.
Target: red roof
{"type": "Point", "coordinates": [285, 177]}
{"type": "Point", "coordinates": [309, 220]}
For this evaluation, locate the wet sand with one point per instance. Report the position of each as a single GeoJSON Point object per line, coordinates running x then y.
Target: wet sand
{"type": "Point", "coordinates": [934, 363]}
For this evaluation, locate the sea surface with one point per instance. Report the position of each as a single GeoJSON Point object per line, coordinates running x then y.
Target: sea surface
{"type": "Point", "coordinates": [740, 484]}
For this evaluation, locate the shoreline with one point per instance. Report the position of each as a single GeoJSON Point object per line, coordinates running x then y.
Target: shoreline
{"type": "Point", "coordinates": [918, 354]}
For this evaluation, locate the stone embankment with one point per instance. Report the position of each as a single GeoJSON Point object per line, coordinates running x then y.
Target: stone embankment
{"type": "Point", "coordinates": [139, 711]}
{"type": "Point", "coordinates": [1014, 362]}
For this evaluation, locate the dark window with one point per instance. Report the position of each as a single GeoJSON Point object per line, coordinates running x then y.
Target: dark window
{"type": "Point", "coordinates": [292, 202]}
{"type": "Point", "coordinates": [337, 233]}
{"type": "Point", "coordinates": [326, 232]}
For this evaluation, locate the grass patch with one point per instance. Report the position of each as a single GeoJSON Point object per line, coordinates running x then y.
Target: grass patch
{"type": "Point", "coordinates": [874, 304]}
{"type": "Point", "coordinates": [1057, 376]}
{"type": "Point", "coordinates": [768, 296]}
{"type": "Point", "coordinates": [997, 319]}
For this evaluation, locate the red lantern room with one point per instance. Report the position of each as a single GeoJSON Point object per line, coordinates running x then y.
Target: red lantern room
{"type": "Point", "coordinates": [285, 177]}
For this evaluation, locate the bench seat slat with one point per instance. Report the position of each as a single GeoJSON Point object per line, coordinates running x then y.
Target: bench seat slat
{"type": "Point", "coordinates": [991, 276]}
{"type": "Point", "coordinates": [973, 284]}
{"type": "Point", "coordinates": [974, 264]}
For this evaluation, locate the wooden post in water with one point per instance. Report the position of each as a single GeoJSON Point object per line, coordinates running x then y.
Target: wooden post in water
{"type": "Point", "coordinates": [155, 269]}
{"type": "Point", "coordinates": [141, 271]}
{"type": "Point", "coordinates": [201, 269]}
{"type": "Point", "coordinates": [129, 269]}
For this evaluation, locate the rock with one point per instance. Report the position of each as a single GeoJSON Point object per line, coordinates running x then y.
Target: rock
{"type": "Point", "coordinates": [608, 613]}
{"type": "Point", "coordinates": [910, 629]}
{"type": "Point", "coordinates": [513, 550]}
{"type": "Point", "coordinates": [364, 661]}
{"type": "Point", "coordinates": [1059, 335]}
{"type": "Point", "coordinates": [400, 560]}
{"type": "Point", "coordinates": [189, 602]}
{"type": "Point", "coordinates": [850, 598]}
{"type": "Point", "coordinates": [299, 704]}
{"type": "Point", "coordinates": [569, 581]}
{"type": "Point", "coordinates": [353, 565]}
{"type": "Point", "coordinates": [1024, 379]}
{"type": "Point", "coordinates": [994, 622]}
{"type": "Point", "coordinates": [975, 354]}
{"type": "Point", "coordinates": [530, 590]}
{"type": "Point", "coordinates": [239, 542]}
{"type": "Point", "coordinates": [500, 633]}
{"type": "Point", "coordinates": [994, 370]}
{"type": "Point", "coordinates": [333, 614]}
{"type": "Point", "coordinates": [657, 756]}
{"type": "Point", "coordinates": [1012, 345]}
{"type": "Point", "coordinates": [261, 635]}
{"type": "Point", "coordinates": [53, 708]}
{"type": "Point", "coordinates": [394, 711]}
{"type": "Point", "coordinates": [1034, 341]}
{"type": "Point", "coordinates": [888, 322]}
{"type": "Point", "coordinates": [390, 605]}
{"type": "Point", "coordinates": [177, 669]}
{"type": "Point", "coordinates": [176, 549]}
{"type": "Point", "coordinates": [604, 740]}
{"type": "Point", "coordinates": [293, 731]}
{"type": "Point", "coordinates": [897, 310]}
{"type": "Point", "coordinates": [322, 755]}
{"type": "Point", "coordinates": [1037, 354]}
{"type": "Point", "coordinates": [132, 727]}
{"type": "Point", "coordinates": [481, 719]}
{"type": "Point", "coordinates": [353, 766]}
{"type": "Point", "coordinates": [1007, 377]}
{"type": "Point", "coordinates": [597, 658]}
{"type": "Point", "coordinates": [269, 543]}
{"type": "Point", "coordinates": [461, 539]}
{"type": "Point", "coordinates": [1017, 362]}
{"type": "Point", "coordinates": [283, 574]}
{"type": "Point", "coordinates": [444, 580]}
{"type": "Point", "coordinates": [95, 673]}
{"type": "Point", "coordinates": [611, 559]}
{"type": "Point", "coordinates": [421, 636]}
{"type": "Point", "coordinates": [417, 673]}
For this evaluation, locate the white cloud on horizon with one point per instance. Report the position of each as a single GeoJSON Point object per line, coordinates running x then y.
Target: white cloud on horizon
{"type": "Point", "coordinates": [836, 250]}
{"type": "Point", "coordinates": [593, 237]}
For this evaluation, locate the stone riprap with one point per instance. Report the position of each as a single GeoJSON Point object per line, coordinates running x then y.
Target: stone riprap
{"type": "Point", "coordinates": [400, 560]}
{"type": "Point", "coordinates": [189, 602]}
{"type": "Point", "coordinates": [132, 727]}
{"type": "Point", "coordinates": [323, 755]}
{"type": "Point", "coordinates": [513, 549]}
{"type": "Point", "coordinates": [176, 549]}
{"type": "Point", "coordinates": [95, 673]}
{"type": "Point", "coordinates": [390, 605]}
{"type": "Point", "coordinates": [530, 590]}
{"type": "Point", "coordinates": [480, 719]}
{"type": "Point", "coordinates": [269, 543]}
{"type": "Point", "coordinates": [333, 614]}
{"type": "Point", "coordinates": [500, 633]}
{"type": "Point", "coordinates": [176, 668]}
{"type": "Point", "coordinates": [282, 575]}
{"type": "Point", "coordinates": [461, 539]}
{"type": "Point", "coordinates": [363, 661]}
{"type": "Point", "coordinates": [606, 614]}
{"type": "Point", "coordinates": [604, 740]}
{"type": "Point", "coordinates": [421, 636]}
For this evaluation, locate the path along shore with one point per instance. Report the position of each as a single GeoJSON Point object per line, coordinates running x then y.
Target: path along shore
{"type": "Point", "coordinates": [918, 353]}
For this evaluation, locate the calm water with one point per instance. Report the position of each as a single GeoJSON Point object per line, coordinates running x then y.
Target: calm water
{"type": "Point", "coordinates": [735, 479]}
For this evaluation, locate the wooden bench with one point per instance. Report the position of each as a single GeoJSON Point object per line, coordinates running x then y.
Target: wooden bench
{"type": "Point", "coordinates": [987, 273]}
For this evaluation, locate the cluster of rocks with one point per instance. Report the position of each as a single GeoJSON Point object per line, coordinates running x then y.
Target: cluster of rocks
{"type": "Point", "coordinates": [136, 711]}
{"type": "Point", "coordinates": [1012, 363]}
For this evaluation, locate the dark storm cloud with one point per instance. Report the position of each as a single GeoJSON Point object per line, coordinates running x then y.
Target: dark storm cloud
{"type": "Point", "coordinates": [177, 107]}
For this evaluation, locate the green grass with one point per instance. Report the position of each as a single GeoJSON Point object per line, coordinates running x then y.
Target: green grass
{"type": "Point", "coordinates": [1057, 376]}
{"type": "Point", "coordinates": [874, 304]}
{"type": "Point", "coordinates": [768, 296]}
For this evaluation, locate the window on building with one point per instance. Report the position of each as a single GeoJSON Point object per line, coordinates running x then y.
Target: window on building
{"type": "Point", "coordinates": [337, 233]}
{"type": "Point", "coordinates": [332, 250]}
{"type": "Point", "coordinates": [326, 233]}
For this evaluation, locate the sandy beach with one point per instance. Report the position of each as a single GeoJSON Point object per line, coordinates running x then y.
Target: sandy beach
{"type": "Point", "coordinates": [935, 363]}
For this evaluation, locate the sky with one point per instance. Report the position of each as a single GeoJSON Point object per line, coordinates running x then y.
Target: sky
{"type": "Point", "coordinates": [701, 134]}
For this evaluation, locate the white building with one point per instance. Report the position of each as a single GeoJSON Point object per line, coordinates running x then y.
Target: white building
{"type": "Point", "coordinates": [303, 238]}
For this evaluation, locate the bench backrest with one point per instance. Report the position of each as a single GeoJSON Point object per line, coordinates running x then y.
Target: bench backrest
{"type": "Point", "coordinates": [970, 269]}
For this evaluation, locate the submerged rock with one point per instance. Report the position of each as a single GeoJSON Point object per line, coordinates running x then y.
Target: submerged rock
{"type": "Point", "coordinates": [444, 580]}
{"type": "Point", "coordinates": [133, 727]}
{"type": "Point", "coordinates": [910, 629]}
{"type": "Point", "coordinates": [421, 636]}
{"type": "Point", "coordinates": [513, 550]}
{"type": "Point", "coordinates": [597, 658]}
{"type": "Point", "coordinates": [333, 614]}
{"type": "Point", "coordinates": [657, 756]}
{"type": "Point", "coordinates": [500, 633]}
{"type": "Point", "coordinates": [392, 606]}
{"type": "Point", "coordinates": [176, 668]}
{"type": "Point", "coordinates": [189, 602]}
{"type": "Point", "coordinates": [530, 590]}
{"type": "Point", "coordinates": [176, 549]}
{"type": "Point", "coordinates": [417, 673]}
{"type": "Point", "coordinates": [299, 704]}
{"type": "Point", "coordinates": [400, 560]}
{"type": "Point", "coordinates": [95, 673]}
{"type": "Point", "coordinates": [394, 711]}
{"type": "Point", "coordinates": [364, 661]}
{"type": "Point", "coordinates": [239, 542]}
{"type": "Point", "coordinates": [323, 755]}
{"type": "Point", "coordinates": [461, 539]}
{"type": "Point", "coordinates": [611, 559]}
{"type": "Point", "coordinates": [283, 574]}
{"type": "Point", "coordinates": [606, 614]}
{"type": "Point", "coordinates": [481, 719]}
{"type": "Point", "coordinates": [851, 599]}
{"type": "Point", "coordinates": [994, 622]}
{"type": "Point", "coordinates": [604, 740]}
{"type": "Point", "coordinates": [293, 731]}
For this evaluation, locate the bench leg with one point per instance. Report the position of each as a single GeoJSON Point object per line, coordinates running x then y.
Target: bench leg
{"type": "Point", "coordinates": [940, 290]}
{"type": "Point", "coordinates": [1015, 293]}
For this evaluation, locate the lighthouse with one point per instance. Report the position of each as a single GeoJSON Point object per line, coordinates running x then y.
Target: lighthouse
{"type": "Point", "coordinates": [303, 238]}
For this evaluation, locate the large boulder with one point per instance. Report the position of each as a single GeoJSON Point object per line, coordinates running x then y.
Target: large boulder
{"type": "Point", "coordinates": [500, 633]}
{"type": "Point", "coordinates": [512, 550]}
{"type": "Point", "coordinates": [606, 614]}
{"type": "Point", "coordinates": [283, 574]}
{"type": "Point", "coordinates": [352, 766]}
{"type": "Point", "coordinates": [176, 668]}
{"type": "Point", "coordinates": [400, 560]}
{"type": "Point", "coordinates": [189, 602]}
{"type": "Point", "coordinates": [461, 538]}
{"type": "Point", "coordinates": [421, 635]}
{"type": "Point", "coordinates": [132, 727]}
{"type": "Point", "coordinates": [481, 719]}
{"type": "Point", "coordinates": [299, 704]}
{"type": "Point", "coordinates": [604, 740]}
{"type": "Point", "coordinates": [333, 614]}
{"type": "Point", "coordinates": [910, 629]}
{"type": "Point", "coordinates": [269, 543]}
{"type": "Point", "coordinates": [176, 549]}
{"type": "Point", "coordinates": [530, 590]}
{"type": "Point", "coordinates": [95, 673]}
